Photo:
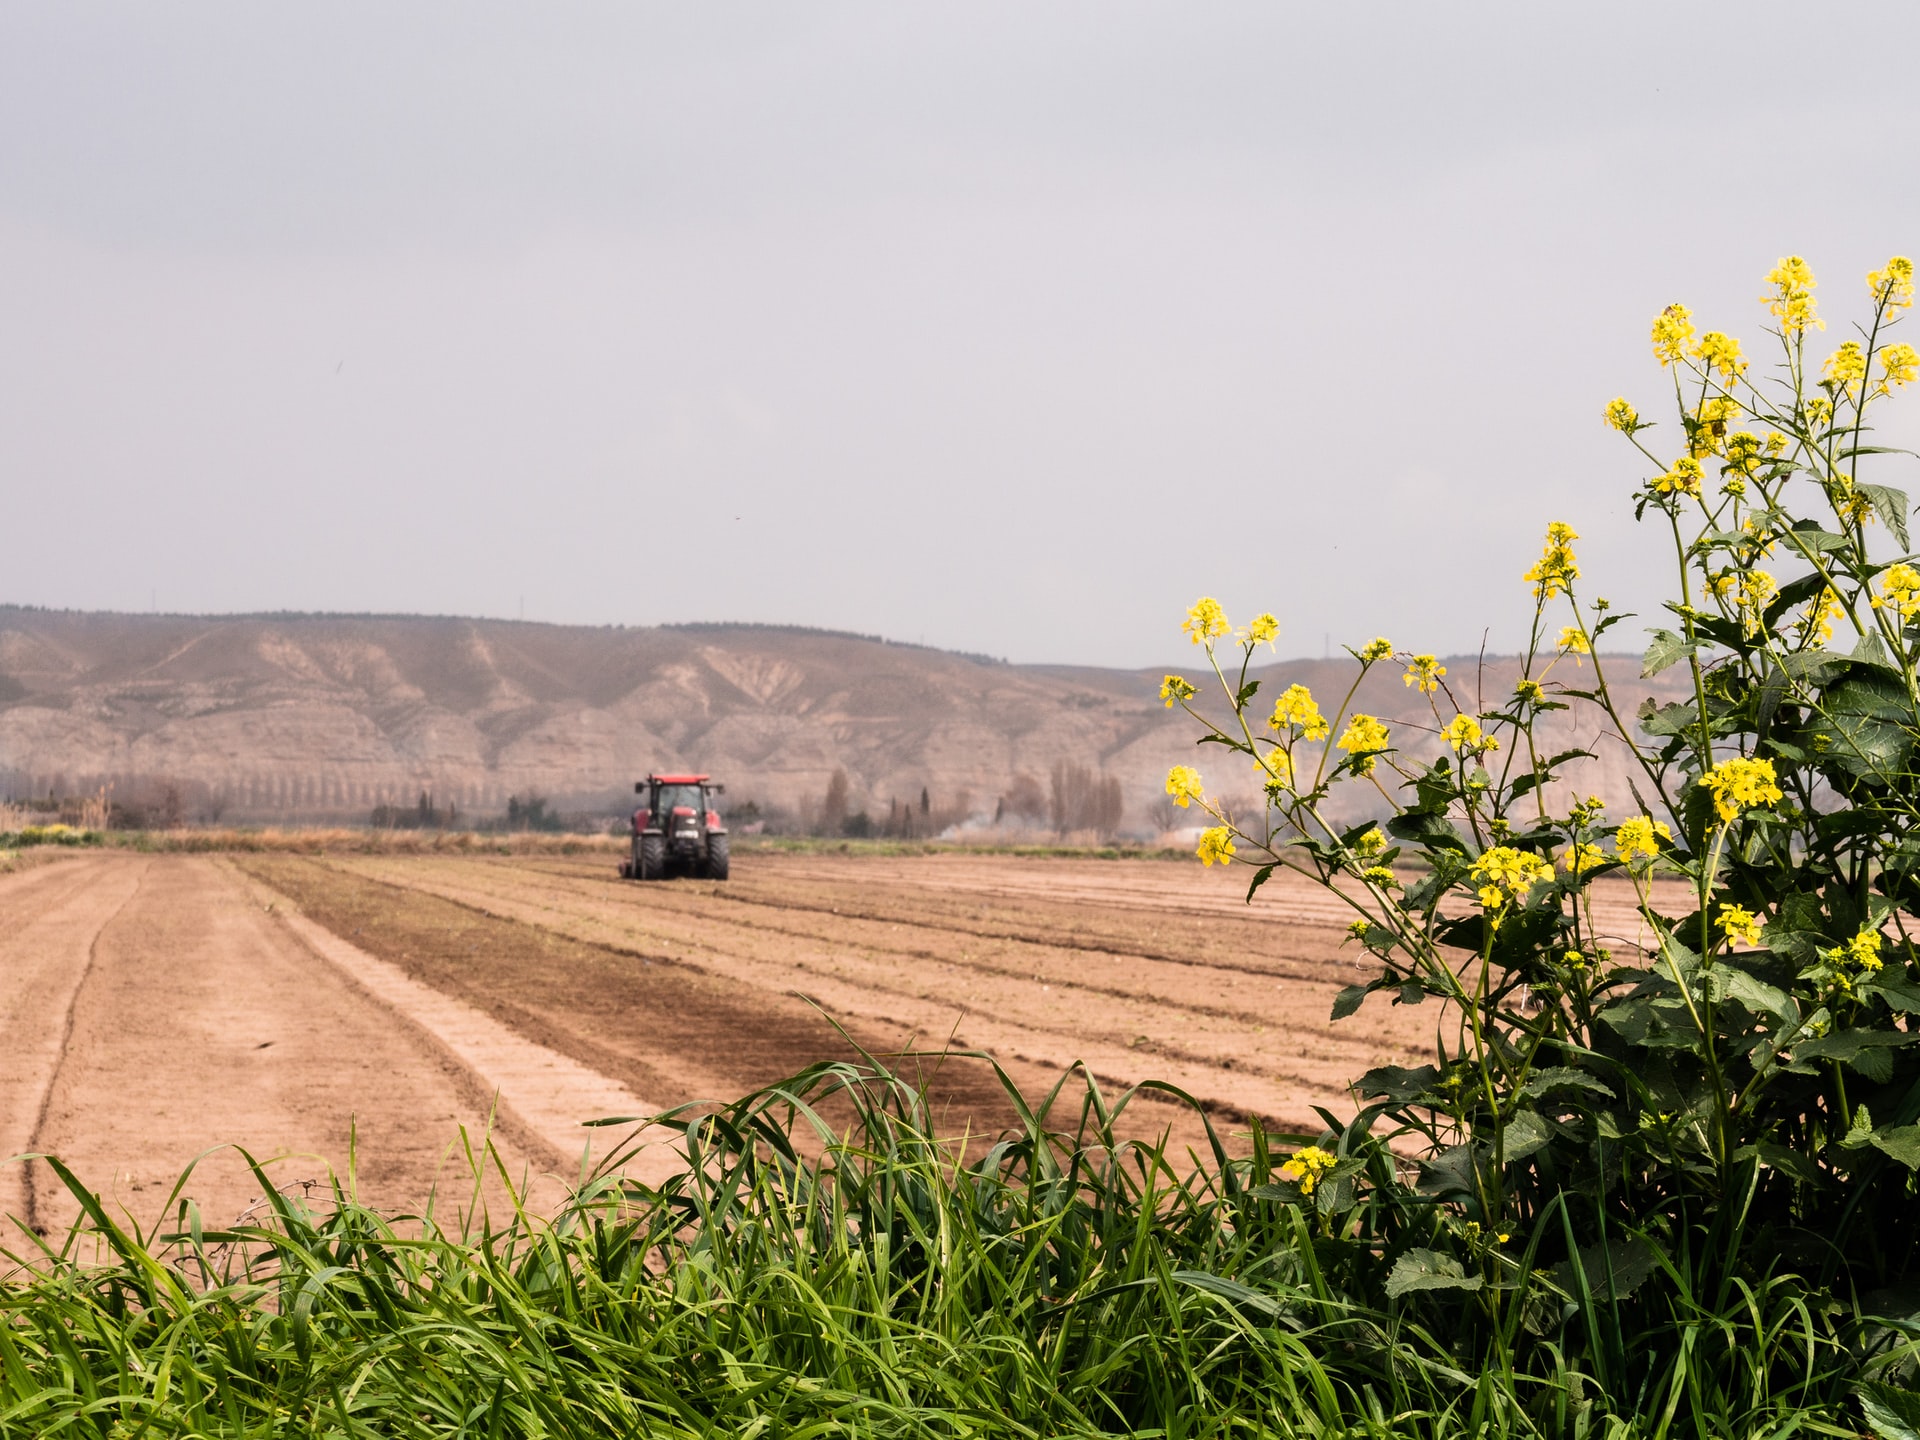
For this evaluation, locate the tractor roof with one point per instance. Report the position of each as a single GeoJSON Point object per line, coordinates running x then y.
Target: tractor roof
{"type": "Point", "coordinates": [678, 779]}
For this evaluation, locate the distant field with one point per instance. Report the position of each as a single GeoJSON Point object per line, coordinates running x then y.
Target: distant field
{"type": "Point", "coordinates": [154, 1006]}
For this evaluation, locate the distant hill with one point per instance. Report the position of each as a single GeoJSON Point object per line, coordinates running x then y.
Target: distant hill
{"type": "Point", "coordinates": [322, 717]}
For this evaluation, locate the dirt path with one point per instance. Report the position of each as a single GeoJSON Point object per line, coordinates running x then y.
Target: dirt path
{"type": "Point", "coordinates": [194, 1019]}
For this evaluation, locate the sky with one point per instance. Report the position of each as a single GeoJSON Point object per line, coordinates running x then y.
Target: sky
{"type": "Point", "coordinates": [1007, 328]}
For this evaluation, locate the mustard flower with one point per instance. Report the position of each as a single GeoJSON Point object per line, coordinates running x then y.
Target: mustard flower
{"type": "Point", "coordinates": [1639, 838]}
{"type": "Point", "coordinates": [1864, 951]}
{"type": "Point", "coordinates": [1556, 569]}
{"type": "Point", "coordinates": [1205, 619]}
{"type": "Point", "coordinates": [1622, 416]}
{"type": "Point", "coordinates": [1738, 923]}
{"type": "Point", "coordinates": [1425, 671]}
{"type": "Point", "coordinates": [1276, 769]}
{"type": "Point", "coordinates": [1790, 300]}
{"type": "Point", "coordinates": [1582, 857]}
{"type": "Point", "coordinates": [1710, 425]}
{"type": "Point", "coordinates": [1899, 365]}
{"type": "Point", "coordinates": [1183, 784]}
{"type": "Point", "coordinates": [1573, 641]}
{"type": "Point", "coordinates": [1845, 367]}
{"type": "Point", "coordinates": [1263, 629]}
{"type": "Point", "coordinates": [1463, 733]}
{"type": "Point", "coordinates": [1893, 286]}
{"type": "Point", "coordinates": [1373, 843]}
{"type": "Point", "coordinates": [1216, 843]}
{"type": "Point", "coordinates": [1530, 692]}
{"type": "Point", "coordinates": [1683, 478]}
{"type": "Point", "coordinates": [1776, 443]}
{"type": "Point", "coordinates": [1722, 353]}
{"type": "Point", "coordinates": [1817, 623]}
{"type": "Point", "coordinates": [1743, 460]}
{"type": "Point", "coordinates": [1741, 782]}
{"type": "Point", "coordinates": [1296, 707]}
{"type": "Point", "coordinates": [1365, 737]}
{"type": "Point", "coordinates": [1307, 1165]}
{"type": "Point", "coordinates": [1900, 590]}
{"type": "Point", "coordinates": [1378, 648]}
{"type": "Point", "coordinates": [1672, 334]}
{"type": "Point", "coordinates": [1380, 875]}
{"type": "Point", "coordinates": [1173, 688]}
{"type": "Point", "coordinates": [1507, 874]}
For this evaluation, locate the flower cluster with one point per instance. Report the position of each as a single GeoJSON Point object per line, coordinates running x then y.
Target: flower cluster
{"type": "Point", "coordinates": [1683, 478]}
{"type": "Point", "coordinates": [1672, 334]}
{"type": "Point", "coordinates": [1306, 1167]}
{"type": "Point", "coordinates": [1425, 671]}
{"type": "Point", "coordinates": [1845, 367]}
{"type": "Point", "coordinates": [1722, 353]}
{"type": "Point", "coordinates": [1264, 628]}
{"type": "Point", "coordinates": [1216, 843]}
{"type": "Point", "coordinates": [1893, 286]}
{"type": "Point", "coordinates": [1900, 590]}
{"type": "Point", "coordinates": [1175, 687]}
{"type": "Point", "coordinates": [1556, 569]}
{"type": "Point", "coordinates": [1183, 784]}
{"type": "Point", "coordinates": [1378, 648]}
{"type": "Point", "coordinates": [1622, 416]}
{"type": "Point", "coordinates": [1790, 300]}
{"type": "Point", "coordinates": [1741, 782]}
{"type": "Point", "coordinates": [1205, 620]}
{"type": "Point", "coordinates": [1365, 738]}
{"type": "Point", "coordinates": [1640, 837]}
{"type": "Point", "coordinates": [1463, 733]}
{"type": "Point", "coordinates": [1899, 365]}
{"type": "Point", "coordinates": [1740, 924]}
{"type": "Point", "coordinates": [1296, 708]}
{"type": "Point", "coordinates": [1583, 857]}
{"type": "Point", "coordinates": [1506, 873]}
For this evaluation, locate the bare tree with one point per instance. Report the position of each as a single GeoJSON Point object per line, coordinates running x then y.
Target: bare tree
{"type": "Point", "coordinates": [833, 808]}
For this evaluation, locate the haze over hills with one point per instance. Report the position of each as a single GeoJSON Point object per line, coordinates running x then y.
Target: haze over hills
{"type": "Point", "coordinates": [323, 717]}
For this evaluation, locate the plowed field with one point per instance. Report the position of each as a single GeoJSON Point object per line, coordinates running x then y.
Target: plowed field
{"type": "Point", "coordinates": [155, 1007]}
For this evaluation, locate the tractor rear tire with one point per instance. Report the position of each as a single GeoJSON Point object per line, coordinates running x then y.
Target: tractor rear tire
{"type": "Point", "coordinates": [653, 857]}
{"type": "Point", "coordinates": [716, 857]}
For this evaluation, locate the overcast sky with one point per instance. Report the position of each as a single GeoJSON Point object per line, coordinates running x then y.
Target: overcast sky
{"type": "Point", "coordinates": [1009, 328]}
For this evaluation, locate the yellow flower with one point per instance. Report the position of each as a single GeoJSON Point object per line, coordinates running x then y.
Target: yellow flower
{"type": "Point", "coordinates": [1819, 410]}
{"type": "Point", "coordinates": [1900, 587]}
{"type": "Point", "coordinates": [1574, 642]}
{"type": "Point", "coordinates": [1845, 367]}
{"type": "Point", "coordinates": [1710, 424]}
{"type": "Point", "coordinates": [1376, 649]}
{"type": "Point", "coordinates": [1743, 459]}
{"type": "Point", "coordinates": [1276, 769]}
{"type": "Point", "coordinates": [1740, 924]}
{"type": "Point", "coordinates": [1508, 873]}
{"type": "Point", "coordinates": [1307, 1166]}
{"type": "Point", "coordinates": [1864, 951]}
{"type": "Point", "coordinates": [1683, 478]}
{"type": "Point", "coordinates": [1216, 843]}
{"type": "Point", "coordinates": [1899, 365]}
{"type": "Point", "coordinates": [1791, 298]}
{"type": "Point", "coordinates": [1817, 623]}
{"type": "Point", "coordinates": [1582, 857]}
{"type": "Point", "coordinates": [1776, 443]}
{"type": "Point", "coordinates": [1296, 707]}
{"type": "Point", "coordinates": [1380, 875]}
{"type": "Point", "coordinates": [1556, 569]}
{"type": "Point", "coordinates": [1739, 783]}
{"type": "Point", "coordinates": [1175, 688]}
{"type": "Point", "coordinates": [1672, 334]}
{"type": "Point", "coordinates": [1370, 844]}
{"type": "Point", "coordinates": [1622, 416]}
{"type": "Point", "coordinates": [1639, 838]}
{"type": "Point", "coordinates": [1425, 671]}
{"type": "Point", "coordinates": [1530, 692]}
{"type": "Point", "coordinates": [1893, 286]}
{"type": "Point", "coordinates": [1183, 784]}
{"type": "Point", "coordinates": [1463, 734]}
{"type": "Point", "coordinates": [1263, 629]}
{"type": "Point", "coordinates": [1365, 738]}
{"type": "Point", "coordinates": [1205, 619]}
{"type": "Point", "coordinates": [1722, 353]}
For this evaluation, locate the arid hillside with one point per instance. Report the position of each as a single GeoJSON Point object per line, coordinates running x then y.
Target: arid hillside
{"type": "Point", "coordinates": [324, 717]}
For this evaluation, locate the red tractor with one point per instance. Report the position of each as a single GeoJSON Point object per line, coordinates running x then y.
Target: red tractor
{"type": "Point", "coordinates": [678, 831]}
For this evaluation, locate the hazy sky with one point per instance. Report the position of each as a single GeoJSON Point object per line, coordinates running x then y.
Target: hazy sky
{"type": "Point", "coordinates": [1007, 327]}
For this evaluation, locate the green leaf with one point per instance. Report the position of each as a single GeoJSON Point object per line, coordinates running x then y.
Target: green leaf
{"type": "Point", "coordinates": [1891, 1413]}
{"type": "Point", "coordinates": [1397, 1082]}
{"type": "Point", "coordinates": [1902, 996]}
{"type": "Point", "coordinates": [1525, 1133]}
{"type": "Point", "coordinates": [1561, 1077]}
{"type": "Point", "coordinates": [1901, 1142]}
{"type": "Point", "coordinates": [1231, 1291]}
{"type": "Point", "coordinates": [1861, 1050]}
{"type": "Point", "coordinates": [1259, 879]}
{"type": "Point", "coordinates": [1809, 538]}
{"type": "Point", "coordinates": [1247, 692]}
{"type": "Point", "coordinates": [1428, 1270]}
{"type": "Point", "coordinates": [1728, 982]}
{"type": "Point", "coordinates": [1613, 1267]}
{"type": "Point", "coordinates": [1348, 1000]}
{"type": "Point", "coordinates": [1891, 506]}
{"type": "Point", "coordinates": [1666, 648]}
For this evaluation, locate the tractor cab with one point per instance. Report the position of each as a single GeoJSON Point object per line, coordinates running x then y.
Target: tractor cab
{"type": "Point", "coordinates": [678, 830]}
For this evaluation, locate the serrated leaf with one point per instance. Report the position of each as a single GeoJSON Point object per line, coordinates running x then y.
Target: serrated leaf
{"type": "Point", "coordinates": [1900, 1142]}
{"type": "Point", "coordinates": [1525, 1133]}
{"type": "Point", "coordinates": [1348, 1001]}
{"type": "Point", "coordinates": [1666, 648]}
{"type": "Point", "coordinates": [1397, 1082]}
{"type": "Point", "coordinates": [1902, 996]}
{"type": "Point", "coordinates": [1428, 1270]}
{"type": "Point", "coordinates": [1247, 692]}
{"type": "Point", "coordinates": [1259, 879]}
{"type": "Point", "coordinates": [1891, 506]}
{"type": "Point", "coordinates": [1561, 1077]}
{"type": "Point", "coordinates": [1615, 1267]}
{"type": "Point", "coordinates": [1890, 1413]}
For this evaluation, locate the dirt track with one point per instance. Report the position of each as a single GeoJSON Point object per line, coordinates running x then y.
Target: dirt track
{"type": "Point", "coordinates": [154, 1007]}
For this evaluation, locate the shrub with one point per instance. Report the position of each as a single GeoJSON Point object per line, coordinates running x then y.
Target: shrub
{"type": "Point", "coordinates": [1645, 1149]}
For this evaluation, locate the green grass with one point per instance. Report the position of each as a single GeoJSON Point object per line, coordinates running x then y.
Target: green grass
{"type": "Point", "coordinates": [1053, 1281]}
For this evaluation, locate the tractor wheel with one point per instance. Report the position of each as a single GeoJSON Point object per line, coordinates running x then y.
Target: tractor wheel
{"type": "Point", "coordinates": [716, 857]}
{"type": "Point", "coordinates": [653, 857]}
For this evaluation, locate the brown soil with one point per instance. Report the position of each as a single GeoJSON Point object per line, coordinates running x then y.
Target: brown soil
{"type": "Point", "coordinates": [154, 1013]}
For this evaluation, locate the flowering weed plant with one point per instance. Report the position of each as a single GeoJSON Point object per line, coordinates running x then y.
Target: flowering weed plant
{"type": "Point", "coordinates": [1715, 1115]}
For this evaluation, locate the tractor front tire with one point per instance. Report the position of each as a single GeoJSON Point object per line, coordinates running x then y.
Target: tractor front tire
{"type": "Point", "coordinates": [653, 857]}
{"type": "Point", "coordinates": [716, 857]}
